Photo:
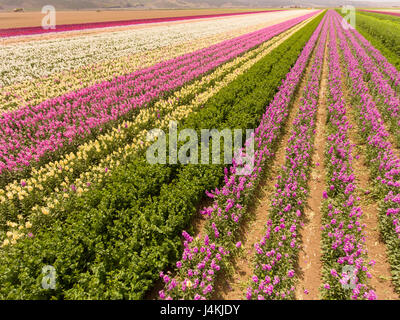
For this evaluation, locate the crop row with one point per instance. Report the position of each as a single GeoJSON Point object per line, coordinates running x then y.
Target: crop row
{"type": "Point", "coordinates": [384, 35]}
{"type": "Point", "coordinates": [47, 188]}
{"type": "Point", "coordinates": [386, 15]}
{"type": "Point", "coordinates": [203, 259]}
{"type": "Point", "coordinates": [345, 270]}
{"type": "Point", "coordinates": [35, 134]}
{"type": "Point", "coordinates": [382, 161]}
{"type": "Point", "coordinates": [12, 32]}
{"type": "Point", "coordinates": [277, 252]}
{"type": "Point", "coordinates": [35, 91]}
{"type": "Point", "coordinates": [115, 239]}
{"type": "Point", "coordinates": [385, 66]}
{"type": "Point", "coordinates": [387, 99]}
{"type": "Point", "coordinates": [32, 60]}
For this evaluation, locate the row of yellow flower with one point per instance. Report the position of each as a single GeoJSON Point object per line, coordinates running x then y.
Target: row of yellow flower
{"type": "Point", "coordinates": [49, 186]}
{"type": "Point", "coordinates": [36, 91]}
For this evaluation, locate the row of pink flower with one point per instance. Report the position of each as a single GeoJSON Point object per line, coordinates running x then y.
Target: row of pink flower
{"type": "Point", "coordinates": [277, 252]}
{"type": "Point", "coordinates": [386, 67]}
{"type": "Point", "coordinates": [384, 12]}
{"type": "Point", "coordinates": [384, 163]}
{"type": "Point", "coordinates": [343, 234]}
{"type": "Point", "coordinates": [202, 259]}
{"type": "Point", "coordinates": [12, 32]}
{"type": "Point", "coordinates": [378, 84]}
{"type": "Point", "coordinates": [31, 132]}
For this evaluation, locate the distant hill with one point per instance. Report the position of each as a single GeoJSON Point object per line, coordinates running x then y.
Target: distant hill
{"type": "Point", "coordinates": [164, 4]}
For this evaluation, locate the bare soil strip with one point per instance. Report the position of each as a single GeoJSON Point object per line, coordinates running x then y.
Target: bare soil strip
{"type": "Point", "coordinates": [232, 286]}
{"type": "Point", "coordinates": [310, 265]}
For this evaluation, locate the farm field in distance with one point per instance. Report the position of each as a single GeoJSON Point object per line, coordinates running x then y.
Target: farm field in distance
{"type": "Point", "coordinates": [216, 154]}
{"type": "Point", "coordinates": [34, 19]}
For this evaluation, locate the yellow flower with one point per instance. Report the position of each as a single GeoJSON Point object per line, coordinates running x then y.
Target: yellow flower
{"type": "Point", "coordinates": [20, 217]}
{"type": "Point", "coordinates": [45, 211]}
{"type": "Point", "coordinates": [28, 225]}
{"type": "Point", "coordinates": [6, 242]}
{"type": "Point", "coordinates": [9, 234]}
{"type": "Point", "coordinates": [189, 283]}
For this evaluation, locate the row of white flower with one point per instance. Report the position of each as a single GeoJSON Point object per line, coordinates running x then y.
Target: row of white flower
{"type": "Point", "coordinates": [31, 60]}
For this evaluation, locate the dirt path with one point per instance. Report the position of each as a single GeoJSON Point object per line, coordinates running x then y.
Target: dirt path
{"type": "Point", "coordinates": [232, 286]}
{"type": "Point", "coordinates": [310, 265]}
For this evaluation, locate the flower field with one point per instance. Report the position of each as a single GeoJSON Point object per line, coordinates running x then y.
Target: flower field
{"type": "Point", "coordinates": [315, 215]}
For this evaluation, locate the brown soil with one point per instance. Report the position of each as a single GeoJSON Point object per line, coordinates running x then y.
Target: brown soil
{"type": "Point", "coordinates": [70, 34]}
{"type": "Point", "coordinates": [232, 286]}
{"type": "Point", "coordinates": [309, 264]}
{"type": "Point", "coordinates": [33, 19]}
